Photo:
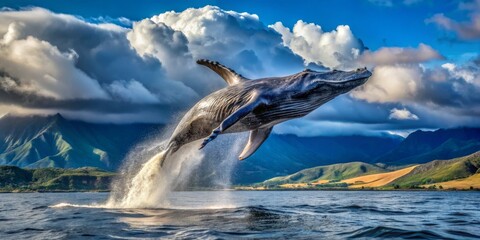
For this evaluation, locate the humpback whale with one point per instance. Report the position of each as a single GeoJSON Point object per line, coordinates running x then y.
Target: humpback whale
{"type": "Point", "coordinates": [257, 105]}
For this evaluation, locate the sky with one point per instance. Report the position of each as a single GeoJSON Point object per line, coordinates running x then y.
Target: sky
{"type": "Point", "coordinates": [134, 61]}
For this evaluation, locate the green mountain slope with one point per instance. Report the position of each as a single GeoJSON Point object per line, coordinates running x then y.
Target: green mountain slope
{"type": "Point", "coordinates": [53, 179]}
{"type": "Point", "coordinates": [333, 172]}
{"type": "Point", "coordinates": [54, 141]}
{"type": "Point", "coordinates": [441, 171]}
{"type": "Point", "coordinates": [281, 155]}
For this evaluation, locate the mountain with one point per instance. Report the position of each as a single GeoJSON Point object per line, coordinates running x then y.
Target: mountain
{"type": "Point", "coordinates": [298, 153]}
{"type": "Point", "coordinates": [335, 172]}
{"type": "Point", "coordinates": [441, 171]}
{"type": "Point", "coordinates": [281, 155]}
{"type": "Point", "coordinates": [458, 173]}
{"type": "Point", "coordinates": [53, 141]}
{"type": "Point", "coordinates": [424, 146]}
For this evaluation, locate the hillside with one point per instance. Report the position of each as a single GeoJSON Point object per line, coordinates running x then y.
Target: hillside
{"type": "Point", "coordinates": [332, 173]}
{"type": "Point", "coordinates": [298, 153]}
{"type": "Point", "coordinates": [54, 179]}
{"type": "Point", "coordinates": [377, 180]}
{"type": "Point", "coordinates": [425, 146]}
{"type": "Point", "coordinates": [472, 182]}
{"type": "Point", "coordinates": [440, 171]}
{"type": "Point", "coordinates": [53, 141]}
{"type": "Point", "coordinates": [459, 173]}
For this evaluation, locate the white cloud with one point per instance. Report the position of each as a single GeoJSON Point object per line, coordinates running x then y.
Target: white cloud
{"type": "Point", "coordinates": [148, 72]}
{"type": "Point", "coordinates": [38, 67]}
{"type": "Point", "coordinates": [466, 30]}
{"type": "Point", "coordinates": [65, 58]}
{"type": "Point", "coordinates": [335, 49]}
{"type": "Point", "coordinates": [132, 91]}
{"type": "Point", "coordinates": [238, 40]}
{"type": "Point", "coordinates": [162, 42]}
{"type": "Point", "coordinates": [390, 84]}
{"type": "Point", "coordinates": [467, 74]}
{"type": "Point", "coordinates": [396, 55]}
{"type": "Point", "coordinates": [402, 114]}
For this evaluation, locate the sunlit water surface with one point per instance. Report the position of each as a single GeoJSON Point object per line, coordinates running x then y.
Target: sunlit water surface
{"type": "Point", "coordinates": [243, 214]}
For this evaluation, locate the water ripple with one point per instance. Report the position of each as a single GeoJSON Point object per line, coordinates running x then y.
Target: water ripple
{"type": "Point", "coordinates": [388, 232]}
{"type": "Point", "coordinates": [252, 215]}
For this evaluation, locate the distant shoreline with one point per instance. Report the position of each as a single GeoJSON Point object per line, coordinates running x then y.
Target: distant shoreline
{"type": "Point", "coordinates": [53, 191]}
{"type": "Point", "coordinates": [263, 190]}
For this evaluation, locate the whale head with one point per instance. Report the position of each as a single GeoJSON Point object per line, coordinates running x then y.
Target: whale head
{"type": "Point", "coordinates": [333, 83]}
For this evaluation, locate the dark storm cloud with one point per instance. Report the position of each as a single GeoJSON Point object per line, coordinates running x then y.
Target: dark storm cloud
{"type": "Point", "coordinates": [98, 106]}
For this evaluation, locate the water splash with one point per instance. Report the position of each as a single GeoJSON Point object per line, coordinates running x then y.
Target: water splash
{"type": "Point", "coordinates": [151, 184]}
{"type": "Point", "coordinates": [144, 184]}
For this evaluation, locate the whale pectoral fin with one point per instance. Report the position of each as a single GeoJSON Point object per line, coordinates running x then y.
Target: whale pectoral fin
{"type": "Point", "coordinates": [256, 138]}
{"type": "Point", "coordinates": [230, 76]}
{"type": "Point", "coordinates": [234, 118]}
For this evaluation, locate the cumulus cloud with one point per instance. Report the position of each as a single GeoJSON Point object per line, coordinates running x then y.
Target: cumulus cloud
{"type": "Point", "coordinates": [58, 58]}
{"type": "Point", "coordinates": [58, 62]}
{"type": "Point", "coordinates": [466, 30]}
{"type": "Point", "coordinates": [446, 85]}
{"type": "Point", "coordinates": [145, 71]}
{"type": "Point", "coordinates": [402, 114]}
{"type": "Point", "coordinates": [451, 89]}
{"type": "Point", "coordinates": [335, 49]}
{"type": "Point", "coordinates": [239, 40]}
{"type": "Point", "coordinates": [131, 91]}
{"type": "Point", "coordinates": [461, 73]}
{"type": "Point", "coordinates": [397, 55]}
{"type": "Point", "coordinates": [391, 84]}
{"type": "Point", "coordinates": [102, 52]}
{"type": "Point", "coordinates": [42, 69]}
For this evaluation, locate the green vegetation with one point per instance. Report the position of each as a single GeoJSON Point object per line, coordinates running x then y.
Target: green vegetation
{"type": "Point", "coordinates": [440, 171]}
{"type": "Point", "coordinates": [54, 179]}
{"type": "Point", "coordinates": [53, 141]}
{"type": "Point", "coordinates": [458, 173]}
{"type": "Point", "coordinates": [335, 172]}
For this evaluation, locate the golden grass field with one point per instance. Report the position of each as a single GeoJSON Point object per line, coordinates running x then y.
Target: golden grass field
{"type": "Point", "coordinates": [377, 180]}
{"type": "Point", "coordinates": [382, 179]}
{"type": "Point", "coordinates": [368, 181]}
{"type": "Point", "coordinates": [464, 183]}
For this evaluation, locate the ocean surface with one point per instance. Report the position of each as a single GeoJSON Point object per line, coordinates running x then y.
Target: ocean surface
{"type": "Point", "coordinates": [246, 214]}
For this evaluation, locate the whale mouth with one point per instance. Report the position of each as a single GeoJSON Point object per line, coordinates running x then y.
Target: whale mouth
{"type": "Point", "coordinates": [337, 76]}
{"type": "Point", "coordinates": [348, 78]}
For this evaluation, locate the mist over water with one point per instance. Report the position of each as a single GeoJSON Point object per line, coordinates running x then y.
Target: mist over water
{"type": "Point", "coordinates": [142, 183]}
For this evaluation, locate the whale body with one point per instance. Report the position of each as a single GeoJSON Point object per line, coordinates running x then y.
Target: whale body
{"type": "Point", "coordinates": [257, 105]}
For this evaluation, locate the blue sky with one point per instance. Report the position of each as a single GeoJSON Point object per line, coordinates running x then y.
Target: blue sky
{"type": "Point", "coordinates": [133, 61]}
